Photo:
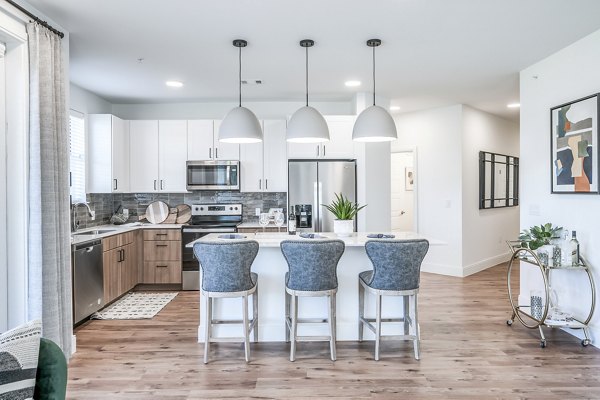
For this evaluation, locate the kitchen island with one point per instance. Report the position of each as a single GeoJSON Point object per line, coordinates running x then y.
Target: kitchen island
{"type": "Point", "coordinates": [270, 265]}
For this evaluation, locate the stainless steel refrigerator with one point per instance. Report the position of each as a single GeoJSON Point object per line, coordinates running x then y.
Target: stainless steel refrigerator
{"type": "Point", "coordinates": [315, 183]}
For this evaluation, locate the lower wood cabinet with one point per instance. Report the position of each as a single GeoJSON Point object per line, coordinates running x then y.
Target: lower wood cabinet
{"type": "Point", "coordinates": [120, 264]}
{"type": "Point", "coordinates": [162, 256]}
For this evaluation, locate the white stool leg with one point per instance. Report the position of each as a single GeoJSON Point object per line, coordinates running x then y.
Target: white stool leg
{"type": "Point", "coordinates": [361, 310]}
{"type": "Point", "coordinates": [417, 341]}
{"type": "Point", "coordinates": [246, 328]}
{"type": "Point", "coordinates": [377, 326]}
{"type": "Point", "coordinates": [332, 326]}
{"type": "Point", "coordinates": [287, 316]}
{"type": "Point", "coordinates": [207, 326]}
{"type": "Point", "coordinates": [294, 327]}
{"type": "Point", "coordinates": [405, 306]}
{"type": "Point", "coordinates": [255, 313]}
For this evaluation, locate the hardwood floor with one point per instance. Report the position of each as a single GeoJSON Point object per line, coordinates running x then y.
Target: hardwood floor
{"type": "Point", "coordinates": [468, 352]}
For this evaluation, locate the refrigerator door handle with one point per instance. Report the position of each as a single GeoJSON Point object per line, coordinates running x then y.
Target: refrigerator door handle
{"type": "Point", "coordinates": [319, 206]}
{"type": "Point", "coordinates": [316, 221]}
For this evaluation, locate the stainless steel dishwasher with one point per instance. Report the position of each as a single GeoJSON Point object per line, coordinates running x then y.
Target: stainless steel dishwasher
{"type": "Point", "coordinates": [88, 279]}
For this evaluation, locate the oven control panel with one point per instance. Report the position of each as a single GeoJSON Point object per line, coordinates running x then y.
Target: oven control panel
{"type": "Point", "coordinates": [216, 209]}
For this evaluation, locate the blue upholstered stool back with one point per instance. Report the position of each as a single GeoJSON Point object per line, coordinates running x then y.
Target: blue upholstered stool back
{"type": "Point", "coordinates": [312, 264]}
{"type": "Point", "coordinates": [226, 266]}
{"type": "Point", "coordinates": [396, 263]}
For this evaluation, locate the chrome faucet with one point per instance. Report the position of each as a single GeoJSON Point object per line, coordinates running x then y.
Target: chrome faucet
{"type": "Point", "coordinates": [91, 213]}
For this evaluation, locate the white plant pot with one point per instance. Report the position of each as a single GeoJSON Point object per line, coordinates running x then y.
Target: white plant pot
{"type": "Point", "coordinates": [343, 227]}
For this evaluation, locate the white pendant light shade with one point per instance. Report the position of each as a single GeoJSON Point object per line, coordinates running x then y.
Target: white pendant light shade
{"type": "Point", "coordinates": [307, 125]}
{"type": "Point", "coordinates": [374, 124]}
{"type": "Point", "coordinates": [240, 126]}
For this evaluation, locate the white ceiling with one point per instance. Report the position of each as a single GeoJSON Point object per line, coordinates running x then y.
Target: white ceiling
{"type": "Point", "coordinates": [434, 52]}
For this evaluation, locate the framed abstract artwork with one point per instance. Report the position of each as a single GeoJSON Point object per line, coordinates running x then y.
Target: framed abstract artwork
{"type": "Point", "coordinates": [574, 146]}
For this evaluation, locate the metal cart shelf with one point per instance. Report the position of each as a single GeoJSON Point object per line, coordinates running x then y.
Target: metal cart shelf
{"type": "Point", "coordinates": [525, 254]}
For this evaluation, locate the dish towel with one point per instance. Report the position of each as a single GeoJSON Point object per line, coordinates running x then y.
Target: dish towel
{"type": "Point", "coordinates": [380, 236]}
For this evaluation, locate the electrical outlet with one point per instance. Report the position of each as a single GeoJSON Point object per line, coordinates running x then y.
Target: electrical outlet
{"type": "Point", "coordinates": [93, 216]}
{"type": "Point", "coordinates": [126, 212]}
{"type": "Point", "coordinates": [257, 211]}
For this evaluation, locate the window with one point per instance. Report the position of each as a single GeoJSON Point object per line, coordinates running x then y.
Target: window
{"type": "Point", "coordinates": [77, 156]}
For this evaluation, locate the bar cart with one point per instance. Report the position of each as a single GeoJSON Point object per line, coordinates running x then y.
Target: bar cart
{"type": "Point", "coordinates": [520, 253]}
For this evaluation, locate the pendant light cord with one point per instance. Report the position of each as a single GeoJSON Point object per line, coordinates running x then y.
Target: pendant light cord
{"type": "Point", "coordinates": [373, 75]}
{"type": "Point", "coordinates": [306, 76]}
{"type": "Point", "coordinates": [240, 75]}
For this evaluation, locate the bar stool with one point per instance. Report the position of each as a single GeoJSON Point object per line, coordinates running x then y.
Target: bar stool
{"type": "Point", "coordinates": [312, 272]}
{"type": "Point", "coordinates": [396, 270]}
{"type": "Point", "coordinates": [226, 274]}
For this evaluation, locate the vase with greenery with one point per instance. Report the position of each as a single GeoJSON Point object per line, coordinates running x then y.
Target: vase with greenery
{"type": "Point", "coordinates": [344, 212]}
{"type": "Point", "coordinates": [538, 236]}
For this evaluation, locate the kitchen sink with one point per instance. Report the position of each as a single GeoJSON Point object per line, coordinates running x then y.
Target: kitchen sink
{"type": "Point", "coordinates": [95, 232]}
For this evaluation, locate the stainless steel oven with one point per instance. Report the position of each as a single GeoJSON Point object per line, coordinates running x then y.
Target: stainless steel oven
{"type": "Point", "coordinates": [213, 175]}
{"type": "Point", "coordinates": [206, 219]}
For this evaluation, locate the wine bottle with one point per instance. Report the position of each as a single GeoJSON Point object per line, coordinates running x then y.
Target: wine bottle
{"type": "Point", "coordinates": [292, 222]}
{"type": "Point", "coordinates": [574, 249]}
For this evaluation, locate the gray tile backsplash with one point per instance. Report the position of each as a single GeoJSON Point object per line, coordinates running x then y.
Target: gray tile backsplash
{"type": "Point", "coordinates": [106, 204]}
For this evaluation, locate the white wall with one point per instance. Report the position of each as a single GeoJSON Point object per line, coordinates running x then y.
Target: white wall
{"type": "Point", "coordinates": [214, 110]}
{"type": "Point", "coordinates": [87, 102]}
{"type": "Point", "coordinates": [567, 75]}
{"type": "Point", "coordinates": [485, 231]}
{"type": "Point", "coordinates": [436, 134]}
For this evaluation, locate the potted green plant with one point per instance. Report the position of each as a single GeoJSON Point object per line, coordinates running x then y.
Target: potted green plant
{"type": "Point", "coordinates": [344, 212]}
{"type": "Point", "coordinates": [538, 236]}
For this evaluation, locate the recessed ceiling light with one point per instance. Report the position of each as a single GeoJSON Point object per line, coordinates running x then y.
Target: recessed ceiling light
{"type": "Point", "coordinates": [175, 84]}
{"type": "Point", "coordinates": [394, 108]}
{"type": "Point", "coordinates": [513, 105]}
{"type": "Point", "coordinates": [352, 83]}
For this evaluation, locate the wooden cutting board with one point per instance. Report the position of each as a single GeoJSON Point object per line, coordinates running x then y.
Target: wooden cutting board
{"type": "Point", "coordinates": [172, 218]}
{"type": "Point", "coordinates": [184, 213]}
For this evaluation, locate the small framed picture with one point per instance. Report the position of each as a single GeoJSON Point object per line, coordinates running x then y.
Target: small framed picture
{"type": "Point", "coordinates": [574, 146]}
{"type": "Point", "coordinates": [409, 178]}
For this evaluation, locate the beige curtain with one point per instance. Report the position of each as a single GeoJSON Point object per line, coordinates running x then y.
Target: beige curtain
{"type": "Point", "coordinates": [49, 253]}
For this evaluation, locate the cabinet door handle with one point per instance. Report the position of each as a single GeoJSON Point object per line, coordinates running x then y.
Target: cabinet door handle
{"type": "Point", "coordinates": [216, 152]}
{"type": "Point", "coordinates": [120, 257]}
{"type": "Point", "coordinates": [116, 184]}
{"type": "Point", "coordinates": [317, 150]}
{"type": "Point", "coordinates": [161, 184]}
{"type": "Point", "coordinates": [266, 184]}
{"type": "Point", "coordinates": [162, 234]}
{"type": "Point", "coordinates": [324, 150]}
{"type": "Point", "coordinates": [210, 152]}
{"type": "Point", "coordinates": [162, 266]}
{"type": "Point", "coordinates": [260, 184]}
{"type": "Point", "coordinates": [155, 184]}
{"type": "Point", "coordinates": [123, 256]}
{"type": "Point", "coordinates": [161, 245]}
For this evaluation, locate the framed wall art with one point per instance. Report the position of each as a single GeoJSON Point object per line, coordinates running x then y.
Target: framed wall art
{"type": "Point", "coordinates": [574, 146]}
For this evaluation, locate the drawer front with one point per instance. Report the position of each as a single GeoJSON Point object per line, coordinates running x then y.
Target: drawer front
{"type": "Point", "coordinates": [162, 251]}
{"type": "Point", "coordinates": [112, 242]}
{"type": "Point", "coordinates": [162, 272]}
{"type": "Point", "coordinates": [162, 234]}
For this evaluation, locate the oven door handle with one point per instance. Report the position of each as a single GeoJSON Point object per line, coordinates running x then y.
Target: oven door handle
{"type": "Point", "coordinates": [208, 230]}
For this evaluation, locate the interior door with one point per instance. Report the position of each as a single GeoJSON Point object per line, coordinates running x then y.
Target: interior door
{"type": "Point", "coordinates": [173, 148]}
{"type": "Point", "coordinates": [335, 177]}
{"type": "Point", "coordinates": [143, 156]}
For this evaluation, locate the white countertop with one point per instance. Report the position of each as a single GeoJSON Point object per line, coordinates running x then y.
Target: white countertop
{"type": "Point", "coordinates": [274, 239]}
{"type": "Point", "coordinates": [84, 235]}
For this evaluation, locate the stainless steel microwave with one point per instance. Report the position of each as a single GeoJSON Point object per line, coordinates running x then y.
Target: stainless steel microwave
{"type": "Point", "coordinates": [213, 175]}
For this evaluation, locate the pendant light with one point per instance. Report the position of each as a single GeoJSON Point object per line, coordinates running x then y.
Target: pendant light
{"type": "Point", "coordinates": [307, 125]}
{"type": "Point", "coordinates": [374, 124]}
{"type": "Point", "coordinates": [240, 125]}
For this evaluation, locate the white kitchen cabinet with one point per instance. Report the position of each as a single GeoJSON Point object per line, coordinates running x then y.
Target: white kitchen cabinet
{"type": "Point", "coordinates": [203, 141]}
{"type": "Point", "coordinates": [143, 156]}
{"type": "Point", "coordinates": [172, 153]}
{"type": "Point", "coordinates": [340, 145]}
{"type": "Point", "coordinates": [264, 165]}
{"type": "Point", "coordinates": [108, 154]}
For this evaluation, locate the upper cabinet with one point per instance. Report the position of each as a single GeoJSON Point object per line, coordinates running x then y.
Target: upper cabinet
{"type": "Point", "coordinates": [157, 156]}
{"type": "Point", "coordinates": [203, 140]}
{"type": "Point", "coordinates": [340, 145]}
{"type": "Point", "coordinates": [108, 154]}
{"type": "Point", "coordinates": [264, 165]}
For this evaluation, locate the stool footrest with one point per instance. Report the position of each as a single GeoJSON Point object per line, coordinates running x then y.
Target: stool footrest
{"type": "Point", "coordinates": [313, 338]}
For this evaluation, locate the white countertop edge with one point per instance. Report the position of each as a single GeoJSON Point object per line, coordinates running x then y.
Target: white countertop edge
{"type": "Point", "coordinates": [80, 236]}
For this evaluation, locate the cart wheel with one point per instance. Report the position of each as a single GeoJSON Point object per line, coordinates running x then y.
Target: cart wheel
{"type": "Point", "coordinates": [543, 343]}
{"type": "Point", "coordinates": [586, 342]}
{"type": "Point", "coordinates": [509, 322]}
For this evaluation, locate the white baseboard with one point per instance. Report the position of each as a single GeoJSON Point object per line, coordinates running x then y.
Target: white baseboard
{"type": "Point", "coordinates": [73, 344]}
{"type": "Point", "coordinates": [485, 264]}
{"type": "Point", "coordinates": [442, 269]}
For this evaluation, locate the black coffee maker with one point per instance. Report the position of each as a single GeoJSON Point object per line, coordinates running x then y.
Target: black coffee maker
{"type": "Point", "coordinates": [303, 216]}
